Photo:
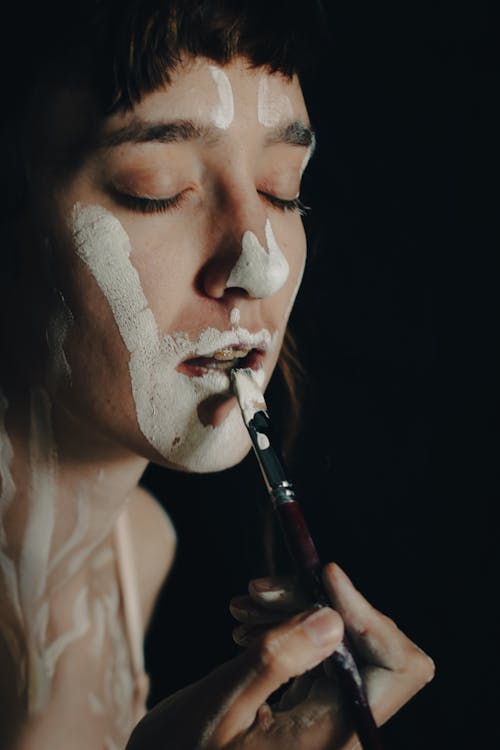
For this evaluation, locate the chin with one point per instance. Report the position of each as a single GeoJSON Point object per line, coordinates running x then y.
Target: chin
{"type": "Point", "coordinates": [205, 449]}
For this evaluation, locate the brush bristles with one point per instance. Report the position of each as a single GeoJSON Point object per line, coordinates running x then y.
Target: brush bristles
{"type": "Point", "coordinates": [248, 393]}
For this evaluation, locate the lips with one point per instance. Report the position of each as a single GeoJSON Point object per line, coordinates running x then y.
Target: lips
{"type": "Point", "coordinates": [223, 360]}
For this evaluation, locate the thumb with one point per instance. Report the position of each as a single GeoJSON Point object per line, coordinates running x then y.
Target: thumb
{"type": "Point", "coordinates": [283, 652]}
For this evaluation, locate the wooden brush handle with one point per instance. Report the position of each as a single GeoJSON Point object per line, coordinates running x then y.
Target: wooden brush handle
{"type": "Point", "coordinates": [308, 565]}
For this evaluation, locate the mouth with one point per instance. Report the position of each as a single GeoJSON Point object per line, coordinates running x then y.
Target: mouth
{"type": "Point", "coordinates": [223, 360]}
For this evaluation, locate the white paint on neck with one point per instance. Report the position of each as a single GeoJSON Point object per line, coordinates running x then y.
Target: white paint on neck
{"type": "Point", "coordinates": [166, 401]}
{"type": "Point", "coordinates": [223, 112]}
{"type": "Point", "coordinates": [273, 108]}
{"type": "Point", "coordinates": [7, 567]}
{"type": "Point", "coordinates": [259, 272]}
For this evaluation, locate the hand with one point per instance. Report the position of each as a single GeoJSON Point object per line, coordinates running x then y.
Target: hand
{"type": "Point", "coordinates": [227, 708]}
{"type": "Point", "coordinates": [393, 668]}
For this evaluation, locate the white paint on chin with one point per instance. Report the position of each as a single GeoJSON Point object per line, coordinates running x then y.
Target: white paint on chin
{"type": "Point", "coordinates": [166, 401]}
{"type": "Point", "coordinates": [257, 271]}
{"type": "Point", "coordinates": [273, 108]}
{"type": "Point", "coordinates": [223, 113]}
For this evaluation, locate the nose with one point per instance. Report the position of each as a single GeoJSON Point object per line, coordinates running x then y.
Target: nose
{"type": "Point", "coordinates": [240, 261]}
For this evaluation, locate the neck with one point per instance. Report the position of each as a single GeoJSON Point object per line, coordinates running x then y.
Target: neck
{"type": "Point", "coordinates": [58, 505]}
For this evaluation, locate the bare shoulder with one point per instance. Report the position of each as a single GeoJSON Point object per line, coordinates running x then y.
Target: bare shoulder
{"type": "Point", "coordinates": [154, 541]}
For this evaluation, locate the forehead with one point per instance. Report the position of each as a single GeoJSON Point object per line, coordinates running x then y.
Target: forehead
{"type": "Point", "coordinates": [225, 95]}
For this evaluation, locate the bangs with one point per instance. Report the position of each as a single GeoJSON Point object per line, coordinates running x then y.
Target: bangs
{"type": "Point", "coordinates": [140, 44]}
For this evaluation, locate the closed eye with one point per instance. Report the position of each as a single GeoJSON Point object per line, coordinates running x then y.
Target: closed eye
{"type": "Point", "coordinates": [146, 205]}
{"type": "Point", "coordinates": [294, 205]}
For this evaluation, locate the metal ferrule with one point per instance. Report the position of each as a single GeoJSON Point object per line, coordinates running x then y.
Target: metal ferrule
{"type": "Point", "coordinates": [282, 493]}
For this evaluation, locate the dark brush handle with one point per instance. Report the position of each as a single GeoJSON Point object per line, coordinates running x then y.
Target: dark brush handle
{"type": "Point", "coordinates": [308, 565]}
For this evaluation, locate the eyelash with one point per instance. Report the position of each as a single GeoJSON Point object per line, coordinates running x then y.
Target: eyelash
{"type": "Point", "coordinates": [150, 205]}
{"type": "Point", "coordinates": [162, 205]}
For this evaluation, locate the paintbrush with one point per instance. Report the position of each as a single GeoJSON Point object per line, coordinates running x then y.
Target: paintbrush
{"type": "Point", "coordinates": [301, 546]}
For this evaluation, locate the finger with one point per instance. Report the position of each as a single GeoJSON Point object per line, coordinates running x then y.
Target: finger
{"type": "Point", "coordinates": [315, 720]}
{"type": "Point", "coordinates": [280, 593]}
{"type": "Point", "coordinates": [375, 636]}
{"type": "Point", "coordinates": [281, 653]}
{"type": "Point", "coordinates": [246, 611]}
{"type": "Point", "coordinates": [245, 635]}
{"type": "Point", "coordinates": [297, 692]}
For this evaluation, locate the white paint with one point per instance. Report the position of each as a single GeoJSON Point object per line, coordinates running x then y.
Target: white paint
{"type": "Point", "coordinates": [34, 560]}
{"type": "Point", "coordinates": [223, 113]}
{"type": "Point", "coordinates": [7, 568]}
{"type": "Point", "coordinates": [273, 107]}
{"type": "Point", "coordinates": [263, 441]}
{"type": "Point", "coordinates": [79, 532]}
{"type": "Point", "coordinates": [259, 272]}
{"type": "Point", "coordinates": [234, 317]}
{"type": "Point", "coordinates": [305, 160]}
{"type": "Point", "coordinates": [166, 401]}
{"type": "Point", "coordinates": [81, 623]}
{"type": "Point", "coordinates": [248, 393]}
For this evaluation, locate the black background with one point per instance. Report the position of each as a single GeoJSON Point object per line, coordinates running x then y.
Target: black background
{"type": "Point", "coordinates": [397, 322]}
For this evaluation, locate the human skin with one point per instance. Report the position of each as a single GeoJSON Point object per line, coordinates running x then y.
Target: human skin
{"type": "Point", "coordinates": [226, 181]}
{"type": "Point", "coordinates": [78, 439]}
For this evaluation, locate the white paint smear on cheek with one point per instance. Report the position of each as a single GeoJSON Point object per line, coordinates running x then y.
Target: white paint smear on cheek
{"type": "Point", "coordinates": [223, 113]}
{"type": "Point", "coordinates": [258, 272]}
{"type": "Point", "coordinates": [273, 106]}
{"type": "Point", "coordinates": [166, 401]}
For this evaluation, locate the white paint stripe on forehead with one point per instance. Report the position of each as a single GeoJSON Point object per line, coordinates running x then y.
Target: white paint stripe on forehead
{"type": "Point", "coordinates": [258, 272]}
{"type": "Point", "coordinates": [272, 108]}
{"type": "Point", "coordinates": [223, 113]}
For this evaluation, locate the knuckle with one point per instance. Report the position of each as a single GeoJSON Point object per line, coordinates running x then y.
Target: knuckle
{"type": "Point", "coordinates": [272, 658]}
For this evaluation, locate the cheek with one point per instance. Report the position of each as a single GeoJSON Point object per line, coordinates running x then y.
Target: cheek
{"type": "Point", "coordinates": [166, 260]}
{"type": "Point", "coordinates": [295, 249]}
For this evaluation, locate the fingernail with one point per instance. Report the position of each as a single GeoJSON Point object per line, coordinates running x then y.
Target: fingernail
{"type": "Point", "coordinates": [264, 584]}
{"type": "Point", "coordinates": [322, 626]}
{"type": "Point", "coordinates": [268, 591]}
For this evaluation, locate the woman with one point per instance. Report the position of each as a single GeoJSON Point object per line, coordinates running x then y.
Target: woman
{"type": "Point", "coordinates": [154, 241]}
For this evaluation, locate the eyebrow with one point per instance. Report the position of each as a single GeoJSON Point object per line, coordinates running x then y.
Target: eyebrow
{"type": "Point", "coordinates": [294, 133]}
{"type": "Point", "coordinates": [178, 131]}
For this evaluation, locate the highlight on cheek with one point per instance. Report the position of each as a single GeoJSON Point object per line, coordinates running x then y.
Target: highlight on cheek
{"type": "Point", "coordinates": [259, 272]}
{"type": "Point", "coordinates": [223, 112]}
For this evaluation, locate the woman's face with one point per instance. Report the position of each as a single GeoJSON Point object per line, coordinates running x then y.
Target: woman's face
{"type": "Point", "coordinates": [178, 246]}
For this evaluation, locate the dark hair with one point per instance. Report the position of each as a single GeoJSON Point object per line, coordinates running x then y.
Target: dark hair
{"type": "Point", "coordinates": [130, 47]}
{"type": "Point", "coordinates": [125, 49]}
